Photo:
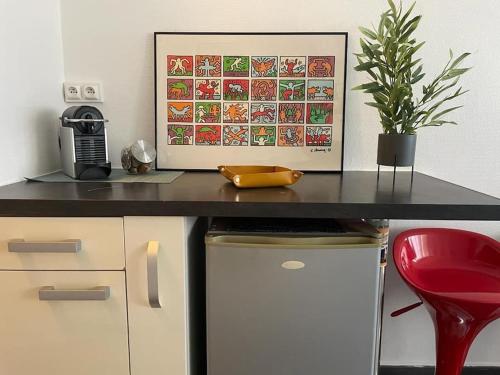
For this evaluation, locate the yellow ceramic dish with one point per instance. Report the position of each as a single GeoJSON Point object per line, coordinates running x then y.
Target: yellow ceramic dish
{"type": "Point", "coordinates": [252, 176]}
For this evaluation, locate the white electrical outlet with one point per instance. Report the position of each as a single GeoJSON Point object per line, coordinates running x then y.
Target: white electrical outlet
{"type": "Point", "coordinates": [82, 92]}
{"type": "Point", "coordinates": [92, 92]}
{"type": "Point", "coordinates": [72, 92]}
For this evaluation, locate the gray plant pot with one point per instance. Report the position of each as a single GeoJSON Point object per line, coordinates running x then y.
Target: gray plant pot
{"type": "Point", "coordinates": [396, 149]}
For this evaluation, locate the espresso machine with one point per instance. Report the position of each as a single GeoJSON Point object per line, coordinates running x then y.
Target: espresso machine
{"type": "Point", "coordinates": [83, 143]}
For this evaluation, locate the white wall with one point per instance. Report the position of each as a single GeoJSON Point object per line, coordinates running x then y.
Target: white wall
{"type": "Point", "coordinates": [111, 41]}
{"type": "Point", "coordinates": [31, 73]}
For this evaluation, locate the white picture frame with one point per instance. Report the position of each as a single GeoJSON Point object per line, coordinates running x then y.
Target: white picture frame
{"type": "Point", "coordinates": [250, 99]}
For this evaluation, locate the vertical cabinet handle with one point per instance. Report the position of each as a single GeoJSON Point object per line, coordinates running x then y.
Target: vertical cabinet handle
{"type": "Point", "coordinates": [22, 246]}
{"type": "Point", "coordinates": [152, 268]}
{"type": "Point", "coordinates": [50, 293]}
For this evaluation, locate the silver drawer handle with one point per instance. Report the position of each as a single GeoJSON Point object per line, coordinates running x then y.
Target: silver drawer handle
{"type": "Point", "coordinates": [50, 293]}
{"type": "Point", "coordinates": [66, 246]}
{"type": "Point", "coordinates": [152, 268]}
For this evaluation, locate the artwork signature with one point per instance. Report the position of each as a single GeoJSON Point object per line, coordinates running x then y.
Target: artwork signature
{"type": "Point", "coordinates": [325, 150]}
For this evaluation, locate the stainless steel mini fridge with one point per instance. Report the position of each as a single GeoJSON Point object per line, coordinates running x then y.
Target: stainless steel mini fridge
{"type": "Point", "coordinates": [285, 298]}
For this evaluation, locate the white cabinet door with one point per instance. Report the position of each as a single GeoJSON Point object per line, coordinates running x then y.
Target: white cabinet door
{"type": "Point", "coordinates": [63, 336]}
{"type": "Point", "coordinates": [158, 335]}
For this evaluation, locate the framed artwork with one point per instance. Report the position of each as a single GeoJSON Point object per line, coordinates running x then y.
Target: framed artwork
{"type": "Point", "coordinates": [250, 99]}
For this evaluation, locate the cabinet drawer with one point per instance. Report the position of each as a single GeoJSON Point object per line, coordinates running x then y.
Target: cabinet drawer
{"type": "Point", "coordinates": [61, 244]}
{"type": "Point", "coordinates": [74, 329]}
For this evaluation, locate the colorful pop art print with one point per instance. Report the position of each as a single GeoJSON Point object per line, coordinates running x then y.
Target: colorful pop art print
{"type": "Point", "coordinates": [236, 66]}
{"type": "Point", "coordinates": [180, 111]}
{"type": "Point", "coordinates": [264, 89]}
{"type": "Point", "coordinates": [208, 89]}
{"type": "Point", "coordinates": [250, 99]}
{"type": "Point", "coordinates": [292, 66]}
{"type": "Point", "coordinates": [321, 66]}
{"type": "Point", "coordinates": [291, 113]}
{"type": "Point", "coordinates": [263, 113]}
{"type": "Point", "coordinates": [319, 136]}
{"type": "Point", "coordinates": [320, 90]}
{"type": "Point", "coordinates": [235, 113]}
{"type": "Point", "coordinates": [264, 66]}
{"type": "Point", "coordinates": [319, 113]}
{"type": "Point", "coordinates": [290, 136]}
{"type": "Point", "coordinates": [207, 112]}
{"type": "Point", "coordinates": [179, 89]}
{"type": "Point", "coordinates": [292, 90]}
{"type": "Point", "coordinates": [236, 89]}
{"type": "Point", "coordinates": [208, 135]}
{"type": "Point", "coordinates": [263, 135]}
{"type": "Point", "coordinates": [179, 65]}
{"type": "Point", "coordinates": [181, 135]}
{"type": "Point", "coordinates": [235, 135]}
{"type": "Point", "coordinates": [208, 66]}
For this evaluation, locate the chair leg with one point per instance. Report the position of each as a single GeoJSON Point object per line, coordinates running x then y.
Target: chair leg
{"type": "Point", "coordinates": [454, 337]}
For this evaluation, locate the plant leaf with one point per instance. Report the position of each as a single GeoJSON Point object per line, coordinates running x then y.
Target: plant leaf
{"type": "Point", "coordinates": [459, 59]}
{"type": "Point", "coordinates": [410, 28]}
{"type": "Point", "coordinates": [441, 114]}
{"type": "Point", "coordinates": [393, 7]}
{"type": "Point", "coordinates": [407, 14]}
{"type": "Point", "coordinates": [442, 89]}
{"type": "Point", "coordinates": [374, 90]}
{"type": "Point", "coordinates": [437, 123]}
{"type": "Point", "coordinates": [366, 86]}
{"type": "Point", "coordinates": [380, 107]}
{"type": "Point", "coordinates": [365, 66]}
{"type": "Point", "coordinates": [418, 70]}
{"type": "Point", "coordinates": [452, 73]}
{"type": "Point", "coordinates": [367, 32]}
{"type": "Point", "coordinates": [417, 79]}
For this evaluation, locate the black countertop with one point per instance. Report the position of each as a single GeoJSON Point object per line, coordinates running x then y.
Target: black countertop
{"type": "Point", "coordinates": [353, 194]}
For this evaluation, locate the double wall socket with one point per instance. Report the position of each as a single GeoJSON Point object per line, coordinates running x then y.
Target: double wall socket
{"type": "Point", "coordinates": [82, 92]}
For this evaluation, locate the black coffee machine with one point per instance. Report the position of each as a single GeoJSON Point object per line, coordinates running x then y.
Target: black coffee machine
{"type": "Point", "coordinates": [83, 143]}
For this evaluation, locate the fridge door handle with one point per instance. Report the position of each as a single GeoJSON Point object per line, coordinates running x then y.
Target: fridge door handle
{"type": "Point", "coordinates": [152, 270]}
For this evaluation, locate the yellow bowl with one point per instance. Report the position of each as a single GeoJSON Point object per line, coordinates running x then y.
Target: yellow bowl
{"type": "Point", "coordinates": [253, 176]}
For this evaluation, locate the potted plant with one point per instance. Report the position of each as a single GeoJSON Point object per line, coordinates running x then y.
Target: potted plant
{"type": "Point", "coordinates": [389, 57]}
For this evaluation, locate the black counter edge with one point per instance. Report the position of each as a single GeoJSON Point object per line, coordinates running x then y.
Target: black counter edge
{"type": "Point", "coordinates": [90, 208]}
{"type": "Point", "coordinates": [429, 370]}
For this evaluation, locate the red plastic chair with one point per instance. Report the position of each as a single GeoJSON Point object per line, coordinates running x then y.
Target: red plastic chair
{"type": "Point", "coordinates": [456, 274]}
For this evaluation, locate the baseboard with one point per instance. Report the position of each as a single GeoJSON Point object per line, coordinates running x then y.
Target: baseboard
{"type": "Point", "coordinates": [428, 370]}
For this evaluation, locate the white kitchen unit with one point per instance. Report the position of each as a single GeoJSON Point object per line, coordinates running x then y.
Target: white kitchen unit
{"type": "Point", "coordinates": [62, 287]}
{"type": "Point", "coordinates": [157, 252]}
{"type": "Point", "coordinates": [96, 296]}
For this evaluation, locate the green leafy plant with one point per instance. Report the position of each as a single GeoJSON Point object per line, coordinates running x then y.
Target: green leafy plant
{"type": "Point", "coordinates": [389, 57]}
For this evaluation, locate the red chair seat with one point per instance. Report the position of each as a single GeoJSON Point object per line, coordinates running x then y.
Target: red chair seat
{"type": "Point", "coordinates": [456, 274]}
{"type": "Point", "coordinates": [479, 298]}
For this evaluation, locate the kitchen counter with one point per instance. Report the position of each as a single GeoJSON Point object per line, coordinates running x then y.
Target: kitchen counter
{"type": "Point", "coordinates": [355, 194]}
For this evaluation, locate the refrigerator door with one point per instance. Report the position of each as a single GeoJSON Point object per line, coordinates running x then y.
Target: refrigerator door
{"type": "Point", "coordinates": [291, 308]}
